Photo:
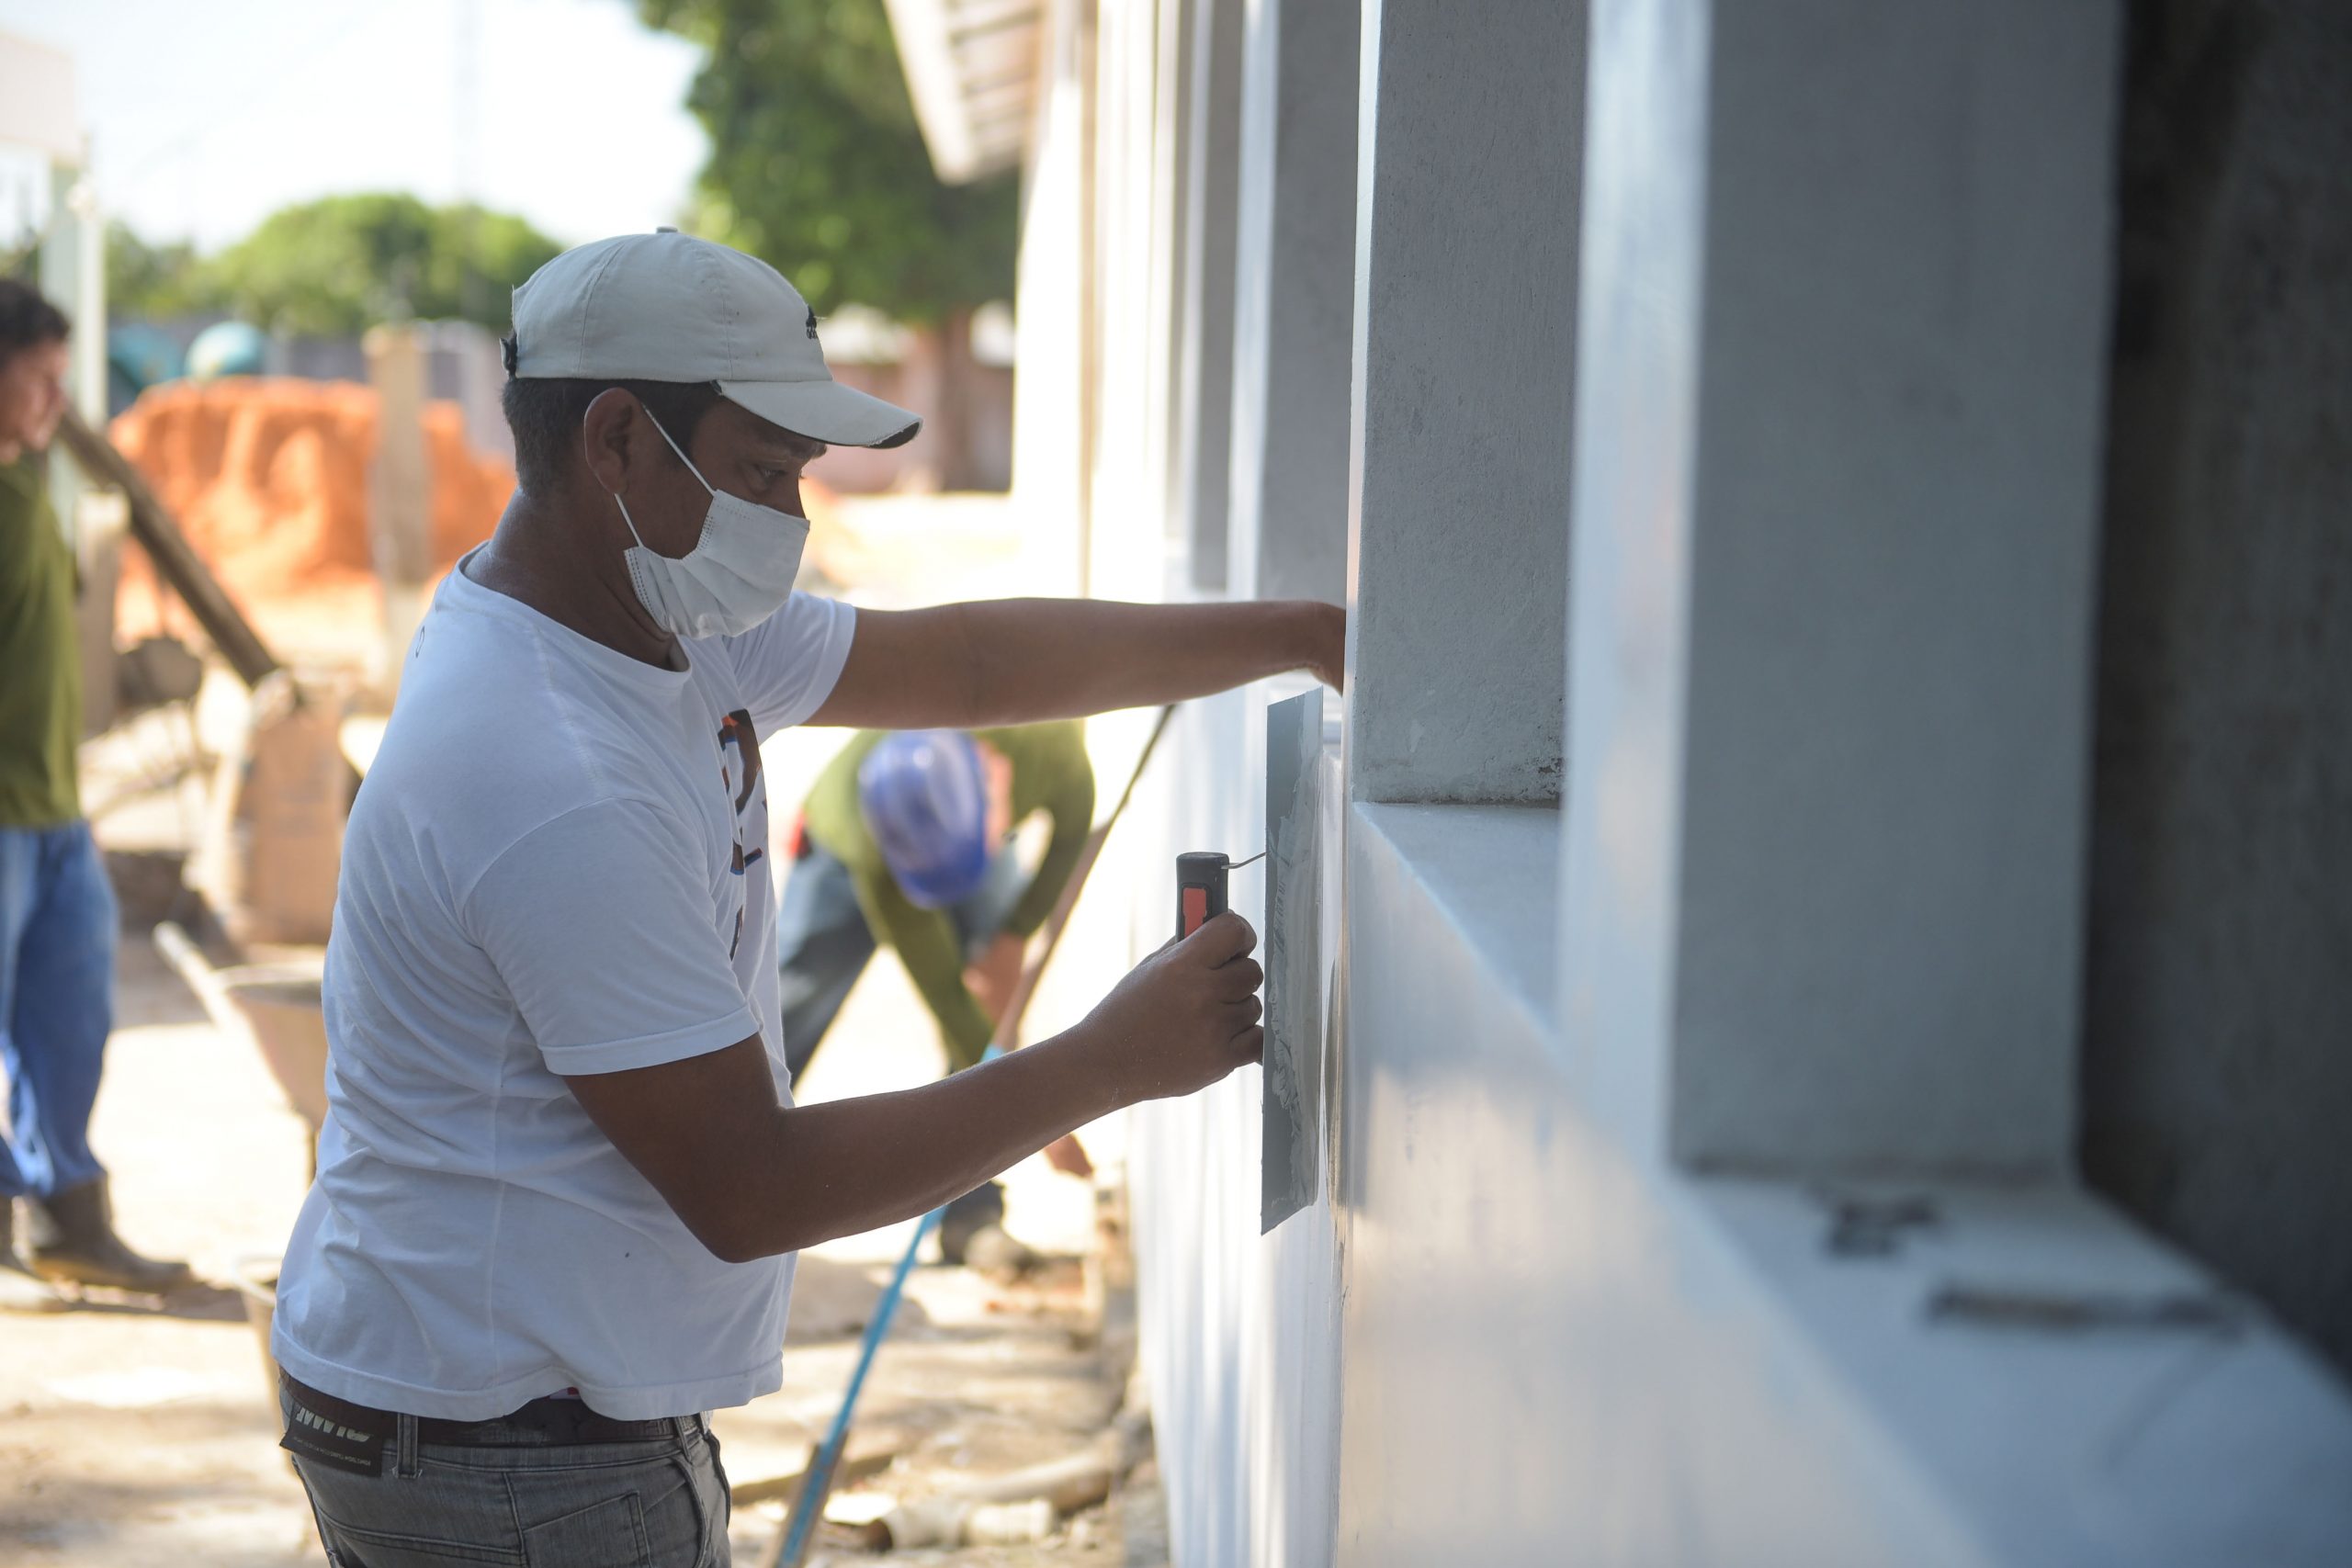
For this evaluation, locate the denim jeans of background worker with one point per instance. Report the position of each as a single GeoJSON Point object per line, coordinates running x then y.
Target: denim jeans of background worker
{"type": "Point", "coordinates": [57, 910]}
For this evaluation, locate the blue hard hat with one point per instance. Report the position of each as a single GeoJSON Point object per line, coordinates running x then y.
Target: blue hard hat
{"type": "Point", "coordinates": [925, 796]}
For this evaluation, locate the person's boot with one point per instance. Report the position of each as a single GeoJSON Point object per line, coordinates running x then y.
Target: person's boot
{"type": "Point", "coordinates": [19, 1291]}
{"type": "Point", "coordinates": [73, 1238]}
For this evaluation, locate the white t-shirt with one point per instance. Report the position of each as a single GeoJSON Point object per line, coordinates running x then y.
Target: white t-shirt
{"type": "Point", "coordinates": [558, 865]}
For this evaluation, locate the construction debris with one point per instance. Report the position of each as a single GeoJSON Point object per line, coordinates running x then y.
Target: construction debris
{"type": "Point", "coordinates": [1019, 1508]}
{"type": "Point", "coordinates": [854, 1468]}
{"type": "Point", "coordinates": [270, 478]}
{"type": "Point", "coordinates": [273, 849]}
{"type": "Point", "coordinates": [169, 550]}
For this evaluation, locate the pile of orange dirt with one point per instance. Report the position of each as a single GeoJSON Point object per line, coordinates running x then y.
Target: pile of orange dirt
{"type": "Point", "coordinates": [269, 479]}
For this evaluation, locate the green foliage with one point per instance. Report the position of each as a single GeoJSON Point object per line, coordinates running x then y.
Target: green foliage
{"type": "Point", "coordinates": [339, 265]}
{"type": "Point", "coordinates": [817, 166]}
{"type": "Point", "coordinates": [152, 280]}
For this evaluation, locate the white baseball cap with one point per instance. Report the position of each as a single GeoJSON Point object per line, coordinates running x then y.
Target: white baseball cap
{"type": "Point", "coordinates": [668, 307]}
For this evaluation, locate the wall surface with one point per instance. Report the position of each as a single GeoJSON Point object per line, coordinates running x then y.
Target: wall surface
{"type": "Point", "coordinates": [2216, 1065]}
{"type": "Point", "coordinates": [1294, 303]}
{"type": "Point", "coordinates": [1720, 522]}
{"type": "Point", "coordinates": [1241, 1338]}
{"type": "Point", "coordinates": [1201, 490]}
{"type": "Point", "coordinates": [1892, 534]}
{"type": "Point", "coordinates": [1470, 153]}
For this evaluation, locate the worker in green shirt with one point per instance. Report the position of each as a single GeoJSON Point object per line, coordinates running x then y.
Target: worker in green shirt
{"type": "Point", "coordinates": [904, 841]}
{"type": "Point", "coordinates": [57, 910]}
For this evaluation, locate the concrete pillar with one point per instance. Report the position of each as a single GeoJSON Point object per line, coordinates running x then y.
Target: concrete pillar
{"type": "Point", "coordinates": [1839, 442]}
{"type": "Point", "coordinates": [1204, 423]}
{"type": "Point", "coordinates": [1294, 292]}
{"type": "Point", "coordinates": [1464, 354]}
{"type": "Point", "coordinates": [1173, 64]}
{"type": "Point", "coordinates": [1123, 557]}
{"type": "Point", "coordinates": [73, 277]}
{"type": "Point", "coordinates": [1054, 287]}
{"type": "Point", "coordinates": [400, 487]}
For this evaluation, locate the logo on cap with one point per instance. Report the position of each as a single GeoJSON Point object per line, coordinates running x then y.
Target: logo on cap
{"type": "Point", "coordinates": [812, 324]}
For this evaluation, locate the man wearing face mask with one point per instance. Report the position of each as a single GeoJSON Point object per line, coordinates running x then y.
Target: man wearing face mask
{"type": "Point", "coordinates": [561, 1179]}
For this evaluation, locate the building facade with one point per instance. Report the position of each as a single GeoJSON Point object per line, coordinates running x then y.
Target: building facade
{"type": "Point", "coordinates": [1813, 979]}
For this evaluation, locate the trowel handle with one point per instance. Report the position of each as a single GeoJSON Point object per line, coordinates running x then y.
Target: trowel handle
{"type": "Point", "coordinates": [1200, 889]}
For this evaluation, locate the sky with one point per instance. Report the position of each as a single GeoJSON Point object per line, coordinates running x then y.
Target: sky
{"type": "Point", "coordinates": [205, 118]}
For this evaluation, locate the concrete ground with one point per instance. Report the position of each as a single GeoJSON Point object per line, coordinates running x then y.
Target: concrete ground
{"type": "Point", "coordinates": [132, 1431]}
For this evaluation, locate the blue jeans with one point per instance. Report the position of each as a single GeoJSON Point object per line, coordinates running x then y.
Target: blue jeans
{"type": "Point", "coordinates": [823, 942]}
{"type": "Point", "coordinates": [526, 1503]}
{"type": "Point", "coordinates": [57, 936]}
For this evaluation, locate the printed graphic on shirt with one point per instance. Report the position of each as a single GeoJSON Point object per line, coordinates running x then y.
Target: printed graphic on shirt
{"type": "Point", "coordinates": [747, 790]}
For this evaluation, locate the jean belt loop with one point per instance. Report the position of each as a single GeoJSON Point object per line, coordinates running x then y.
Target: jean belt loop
{"type": "Point", "coordinates": [404, 1445]}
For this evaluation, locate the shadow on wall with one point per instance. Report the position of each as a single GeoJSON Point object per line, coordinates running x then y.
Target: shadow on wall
{"type": "Point", "coordinates": [2216, 1082]}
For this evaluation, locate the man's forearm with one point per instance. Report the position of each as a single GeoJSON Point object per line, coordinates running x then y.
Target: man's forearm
{"type": "Point", "coordinates": [1009, 661]}
{"type": "Point", "coordinates": [850, 1165]}
{"type": "Point", "coordinates": [750, 1177]}
{"type": "Point", "coordinates": [1047, 659]}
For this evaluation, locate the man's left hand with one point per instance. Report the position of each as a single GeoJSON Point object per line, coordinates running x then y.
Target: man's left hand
{"type": "Point", "coordinates": [1329, 659]}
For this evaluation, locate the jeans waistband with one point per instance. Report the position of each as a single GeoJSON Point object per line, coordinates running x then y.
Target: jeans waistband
{"type": "Point", "coordinates": [541, 1423]}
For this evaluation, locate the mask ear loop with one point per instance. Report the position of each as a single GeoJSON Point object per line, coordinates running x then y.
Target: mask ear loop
{"type": "Point", "coordinates": [689, 462]}
{"type": "Point", "coordinates": [630, 523]}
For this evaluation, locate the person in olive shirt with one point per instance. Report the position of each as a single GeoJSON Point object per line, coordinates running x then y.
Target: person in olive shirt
{"type": "Point", "coordinates": [903, 842]}
{"type": "Point", "coordinates": [57, 911]}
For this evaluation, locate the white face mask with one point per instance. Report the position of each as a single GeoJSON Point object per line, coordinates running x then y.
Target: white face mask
{"type": "Point", "coordinates": [739, 573]}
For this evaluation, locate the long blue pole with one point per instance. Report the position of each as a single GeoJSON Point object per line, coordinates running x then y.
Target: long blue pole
{"type": "Point", "coordinates": [809, 1504]}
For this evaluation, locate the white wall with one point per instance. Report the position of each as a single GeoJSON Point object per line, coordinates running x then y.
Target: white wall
{"type": "Point", "coordinates": [1293, 300]}
{"type": "Point", "coordinates": [1796, 313]}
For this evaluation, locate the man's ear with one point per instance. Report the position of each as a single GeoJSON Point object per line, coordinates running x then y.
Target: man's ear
{"type": "Point", "coordinates": [613, 433]}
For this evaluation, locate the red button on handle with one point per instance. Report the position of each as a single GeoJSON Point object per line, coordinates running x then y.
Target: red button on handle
{"type": "Point", "coordinates": [1196, 909]}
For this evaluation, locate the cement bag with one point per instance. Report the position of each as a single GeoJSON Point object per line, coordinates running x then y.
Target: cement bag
{"type": "Point", "coordinates": [274, 844]}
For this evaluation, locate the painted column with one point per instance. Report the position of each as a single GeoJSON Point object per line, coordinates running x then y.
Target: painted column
{"type": "Point", "coordinates": [1839, 437]}
{"type": "Point", "coordinates": [1201, 431]}
{"type": "Point", "coordinates": [1465, 356]}
{"type": "Point", "coordinates": [1293, 294]}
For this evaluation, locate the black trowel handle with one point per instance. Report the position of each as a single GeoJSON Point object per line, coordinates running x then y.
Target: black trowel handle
{"type": "Point", "coordinates": [1200, 889]}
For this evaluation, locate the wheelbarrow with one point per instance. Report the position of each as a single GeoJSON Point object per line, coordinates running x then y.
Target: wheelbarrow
{"type": "Point", "coordinates": [277, 1007]}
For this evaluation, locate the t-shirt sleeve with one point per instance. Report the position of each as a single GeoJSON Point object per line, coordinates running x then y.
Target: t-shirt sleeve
{"type": "Point", "coordinates": [600, 923]}
{"type": "Point", "coordinates": [788, 663]}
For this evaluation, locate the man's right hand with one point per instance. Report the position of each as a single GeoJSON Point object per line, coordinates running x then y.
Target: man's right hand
{"type": "Point", "coordinates": [1185, 1016]}
{"type": "Point", "coordinates": [752, 1177]}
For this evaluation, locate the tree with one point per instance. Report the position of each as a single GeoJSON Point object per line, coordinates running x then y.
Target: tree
{"type": "Point", "coordinates": [341, 263]}
{"type": "Point", "coordinates": [152, 280]}
{"type": "Point", "coordinates": [817, 166]}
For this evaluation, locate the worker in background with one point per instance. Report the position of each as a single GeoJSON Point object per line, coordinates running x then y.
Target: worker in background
{"type": "Point", "coordinates": [561, 1179]}
{"type": "Point", "coordinates": [57, 911]}
{"type": "Point", "coordinates": [905, 841]}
